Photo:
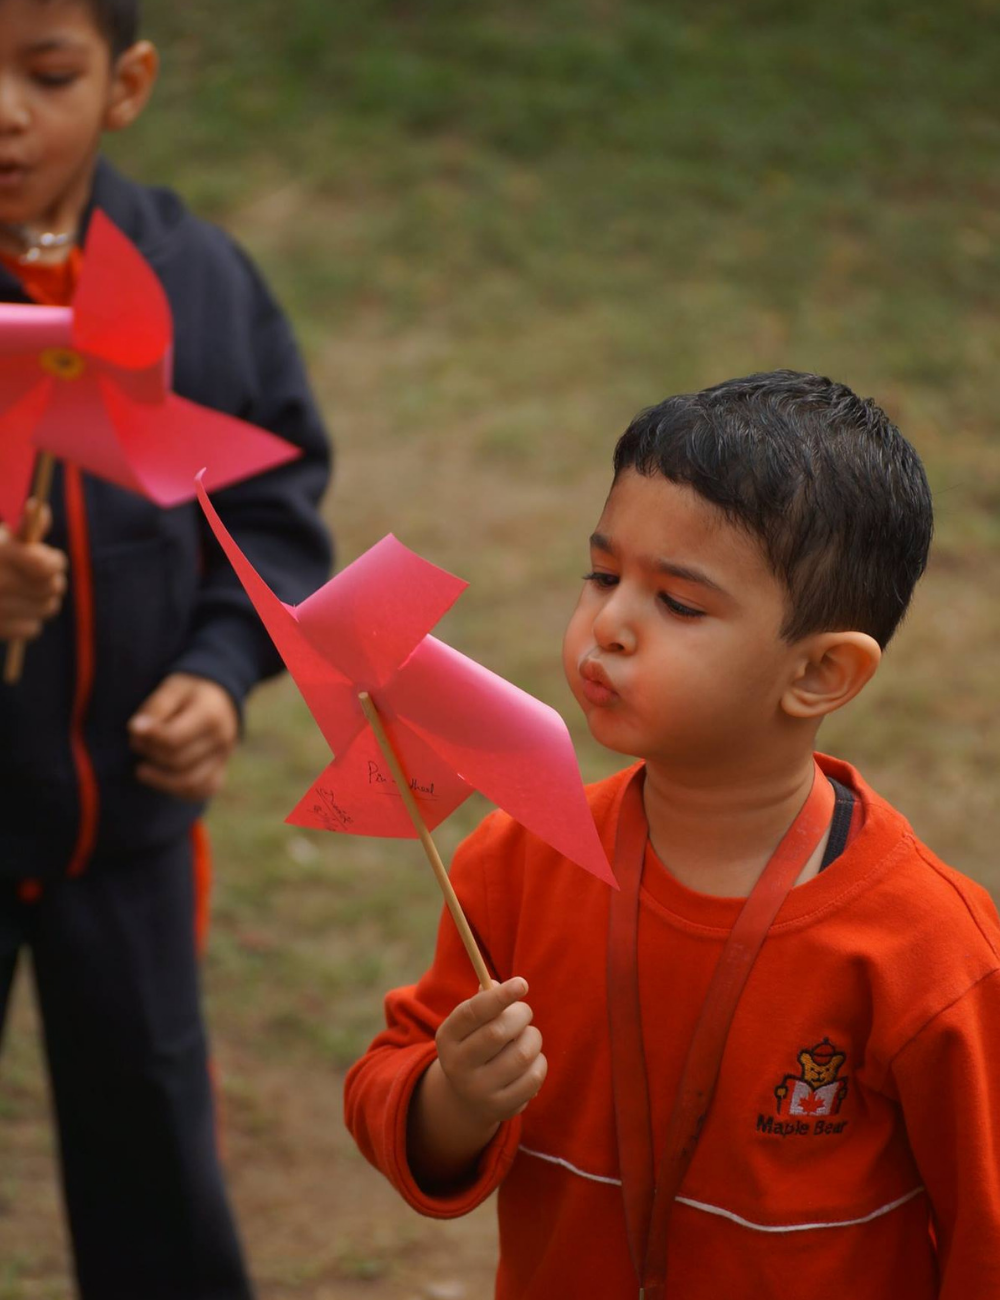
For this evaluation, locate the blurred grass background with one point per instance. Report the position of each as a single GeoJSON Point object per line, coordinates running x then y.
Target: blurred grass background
{"type": "Point", "coordinates": [501, 230]}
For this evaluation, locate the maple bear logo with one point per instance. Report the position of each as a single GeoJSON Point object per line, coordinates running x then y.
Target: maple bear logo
{"type": "Point", "coordinates": [817, 1090]}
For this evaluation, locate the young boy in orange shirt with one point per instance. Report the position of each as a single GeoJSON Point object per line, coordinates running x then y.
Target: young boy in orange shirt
{"type": "Point", "coordinates": [142, 649]}
{"type": "Point", "coordinates": [771, 1059]}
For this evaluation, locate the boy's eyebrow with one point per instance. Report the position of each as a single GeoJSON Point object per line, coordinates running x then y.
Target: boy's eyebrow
{"type": "Point", "coordinates": [686, 572]}
{"type": "Point", "coordinates": [56, 43]}
{"type": "Point", "coordinates": [689, 574]}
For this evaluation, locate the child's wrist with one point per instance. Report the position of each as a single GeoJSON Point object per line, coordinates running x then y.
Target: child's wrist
{"type": "Point", "coordinates": [446, 1133]}
{"type": "Point", "coordinates": [467, 1121]}
{"type": "Point", "coordinates": [474, 1117]}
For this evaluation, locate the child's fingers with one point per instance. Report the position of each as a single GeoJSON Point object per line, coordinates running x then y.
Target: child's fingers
{"type": "Point", "coordinates": [176, 758]}
{"type": "Point", "coordinates": [200, 782]}
{"type": "Point", "coordinates": [168, 699]}
{"type": "Point", "coordinates": [164, 739]}
{"type": "Point", "coordinates": [22, 617]}
{"type": "Point", "coordinates": [20, 628]}
{"type": "Point", "coordinates": [205, 720]}
{"type": "Point", "coordinates": [498, 1088]}
{"type": "Point", "coordinates": [36, 519]}
{"type": "Point", "coordinates": [19, 604]}
{"type": "Point", "coordinates": [513, 1062]}
{"type": "Point", "coordinates": [510, 1101]}
{"type": "Point", "coordinates": [184, 713]}
{"type": "Point", "coordinates": [471, 1065]}
{"type": "Point", "coordinates": [484, 1007]}
{"type": "Point", "coordinates": [35, 562]}
{"type": "Point", "coordinates": [489, 1040]}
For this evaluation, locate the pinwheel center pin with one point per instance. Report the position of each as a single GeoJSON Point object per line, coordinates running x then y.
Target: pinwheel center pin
{"type": "Point", "coordinates": [64, 363]}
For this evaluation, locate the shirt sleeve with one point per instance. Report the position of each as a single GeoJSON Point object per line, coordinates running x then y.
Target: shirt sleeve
{"type": "Point", "coordinates": [274, 516]}
{"type": "Point", "coordinates": [379, 1087]}
{"type": "Point", "coordinates": [948, 1082]}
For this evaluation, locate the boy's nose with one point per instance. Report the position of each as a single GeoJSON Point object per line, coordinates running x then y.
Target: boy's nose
{"type": "Point", "coordinates": [14, 114]}
{"type": "Point", "coordinates": [613, 629]}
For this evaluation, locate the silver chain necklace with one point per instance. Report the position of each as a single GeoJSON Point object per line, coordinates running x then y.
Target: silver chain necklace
{"type": "Point", "coordinates": [35, 244]}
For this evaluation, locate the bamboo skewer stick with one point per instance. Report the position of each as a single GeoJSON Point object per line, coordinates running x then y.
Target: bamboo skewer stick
{"type": "Point", "coordinates": [430, 848]}
{"type": "Point", "coordinates": [30, 531]}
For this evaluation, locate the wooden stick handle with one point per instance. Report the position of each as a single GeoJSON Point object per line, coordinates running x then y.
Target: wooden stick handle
{"type": "Point", "coordinates": [30, 531]}
{"type": "Point", "coordinates": [430, 848]}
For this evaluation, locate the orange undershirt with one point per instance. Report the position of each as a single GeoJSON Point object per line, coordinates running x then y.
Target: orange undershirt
{"type": "Point", "coordinates": [51, 283]}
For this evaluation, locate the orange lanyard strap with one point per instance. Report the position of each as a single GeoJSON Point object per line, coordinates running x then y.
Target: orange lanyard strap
{"type": "Point", "coordinates": [647, 1201]}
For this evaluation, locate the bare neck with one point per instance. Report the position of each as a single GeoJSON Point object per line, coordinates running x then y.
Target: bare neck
{"type": "Point", "coordinates": [716, 835]}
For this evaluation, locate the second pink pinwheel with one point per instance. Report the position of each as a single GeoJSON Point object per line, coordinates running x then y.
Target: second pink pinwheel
{"type": "Point", "coordinates": [91, 384]}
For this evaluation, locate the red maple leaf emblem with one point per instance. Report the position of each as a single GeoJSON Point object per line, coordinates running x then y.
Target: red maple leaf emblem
{"type": "Point", "coordinates": [811, 1105]}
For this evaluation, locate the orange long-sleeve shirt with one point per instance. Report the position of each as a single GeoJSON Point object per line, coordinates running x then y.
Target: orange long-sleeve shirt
{"type": "Point", "coordinates": [854, 1141]}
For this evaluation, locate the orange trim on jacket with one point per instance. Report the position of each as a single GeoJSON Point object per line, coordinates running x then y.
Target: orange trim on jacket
{"type": "Point", "coordinates": [201, 866]}
{"type": "Point", "coordinates": [83, 614]}
{"type": "Point", "coordinates": [857, 1095]}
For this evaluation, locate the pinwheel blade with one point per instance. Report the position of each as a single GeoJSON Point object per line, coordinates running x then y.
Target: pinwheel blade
{"type": "Point", "coordinates": [27, 329]}
{"type": "Point", "coordinates": [329, 695]}
{"type": "Point", "coordinates": [373, 614]}
{"type": "Point", "coordinates": [120, 311]}
{"type": "Point", "coordinates": [167, 443]}
{"type": "Point", "coordinates": [76, 426]}
{"type": "Point", "coordinates": [356, 794]}
{"type": "Point", "coordinates": [356, 628]}
{"type": "Point", "coordinates": [17, 452]}
{"type": "Point", "coordinates": [505, 743]}
{"type": "Point", "coordinates": [18, 379]}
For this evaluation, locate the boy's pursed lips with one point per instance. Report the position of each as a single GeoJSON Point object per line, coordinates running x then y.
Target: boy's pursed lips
{"type": "Point", "coordinates": [597, 685]}
{"type": "Point", "coordinates": [12, 170]}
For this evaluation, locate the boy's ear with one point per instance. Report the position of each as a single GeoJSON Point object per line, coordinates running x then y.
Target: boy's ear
{"type": "Point", "coordinates": [832, 669]}
{"type": "Point", "coordinates": [132, 79]}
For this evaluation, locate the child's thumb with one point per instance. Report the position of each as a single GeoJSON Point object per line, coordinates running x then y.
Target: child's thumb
{"type": "Point", "coordinates": [36, 520]}
{"type": "Point", "coordinates": [156, 707]}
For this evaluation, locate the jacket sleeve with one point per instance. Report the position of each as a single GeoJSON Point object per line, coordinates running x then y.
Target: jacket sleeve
{"type": "Point", "coordinates": [274, 516]}
{"type": "Point", "coordinates": [948, 1081]}
{"type": "Point", "coordinates": [380, 1086]}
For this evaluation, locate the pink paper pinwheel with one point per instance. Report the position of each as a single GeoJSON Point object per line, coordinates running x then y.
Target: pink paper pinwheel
{"type": "Point", "coordinates": [454, 725]}
{"type": "Point", "coordinates": [91, 384]}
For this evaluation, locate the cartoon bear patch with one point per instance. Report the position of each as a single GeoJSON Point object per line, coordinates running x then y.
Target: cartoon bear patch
{"type": "Point", "coordinates": [817, 1090]}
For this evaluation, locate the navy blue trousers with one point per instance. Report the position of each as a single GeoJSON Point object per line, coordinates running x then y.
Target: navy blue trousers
{"type": "Point", "coordinates": [116, 975]}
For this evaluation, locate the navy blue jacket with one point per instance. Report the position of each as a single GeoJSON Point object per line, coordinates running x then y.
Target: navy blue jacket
{"type": "Point", "coordinates": [165, 597]}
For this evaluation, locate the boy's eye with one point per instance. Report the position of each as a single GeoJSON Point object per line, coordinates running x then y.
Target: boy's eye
{"type": "Point", "coordinates": [601, 579]}
{"type": "Point", "coordinates": [682, 611]}
{"type": "Point", "coordinates": [53, 80]}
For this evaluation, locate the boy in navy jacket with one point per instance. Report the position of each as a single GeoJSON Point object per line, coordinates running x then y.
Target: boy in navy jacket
{"type": "Point", "coordinates": [142, 649]}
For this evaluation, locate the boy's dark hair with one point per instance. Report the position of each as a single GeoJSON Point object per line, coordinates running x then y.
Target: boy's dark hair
{"type": "Point", "coordinates": [118, 21]}
{"type": "Point", "coordinates": [827, 484]}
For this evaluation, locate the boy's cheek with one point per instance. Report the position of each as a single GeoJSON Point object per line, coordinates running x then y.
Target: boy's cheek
{"type": "Point", "coordinates": [574, 642]}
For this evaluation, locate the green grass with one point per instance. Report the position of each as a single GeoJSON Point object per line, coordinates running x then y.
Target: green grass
{"type": "Point", "coordinates": [468, 164]}
{"type": "Point", "coordinates": [501, 230]}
